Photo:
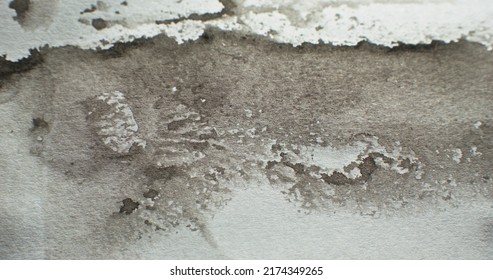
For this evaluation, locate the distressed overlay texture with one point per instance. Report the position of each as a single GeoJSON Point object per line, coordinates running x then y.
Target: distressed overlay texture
{"type": "Point", "coordinates": [237, 144]}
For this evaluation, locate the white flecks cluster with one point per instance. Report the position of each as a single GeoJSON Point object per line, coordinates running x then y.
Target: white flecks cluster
{"type": "Point", "coordinates": [117, 126]}
{"type": "Point", "coordinates": [474, 151]}
{"type": "Point", "coordinates": [340, 23]}
{"type": "Point", "coordinates": [138, 12]}
{"type": "Point", "coordinates": [387, 23]}
{"type": "Point", "coordinates": [457, 155]}
{"type": "Point", "coordinates": [330, 159]}
{"type": "Point", "coordinates": [67, 24]}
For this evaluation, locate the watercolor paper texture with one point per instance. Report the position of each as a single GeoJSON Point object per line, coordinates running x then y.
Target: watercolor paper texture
{"type": "Point", "coordinates": [246, 129]}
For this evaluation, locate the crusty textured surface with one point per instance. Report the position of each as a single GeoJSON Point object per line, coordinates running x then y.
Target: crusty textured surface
{"type": "Point", "coordinates": [231, 117]}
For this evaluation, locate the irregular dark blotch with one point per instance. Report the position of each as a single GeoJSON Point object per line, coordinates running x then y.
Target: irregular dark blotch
{"type": "Point", "coordinates": [120, 48]}
{"type": "Point", "coordinates": [21, 7]}
{"type": "Point", "coordinates": [406, 164]}
{"type": "Point", "coordinates": [270, 164]}
{"type": "Point", "coordinates": [207, 36]}
{"type": "Point", "coordinates": [175, 125]}
{"type": "Point", "coordinates": [124, 3]}
{"type": "Point", "coordinates": [163, 173]}
{"type": "Point", "coordinates": [229, 6]}
{"type": "Point", "coordinates": [337, 178]}
{"type": "Point", "coordinates": [39, 123]}
{"type": "Point", "coordinates": [151, 193]}
{"type": "Point", "coordinates": [276, 148]}
{"type": "Point", "coordinates": [210, 177]}
{"type": "Point", "coordinates": [210, 135]}
{"type": "Point", "coordinates": [8, 67]}
{"type": "Point", "coordinates": [403, 47]}
{"type": "Point", "coordinates": [99, 23]}
{"type": "Point", "coordinates": [220, 169]}
{"type": "Point", "coordinates": [129, 206]}
{"type": "Point", "coordinates": [367, 167]}
{"type": "Point", "coordinates": [156, 227]}
{"type": "Point", "coordinates": [194, 16]}
{"type": "Point", "coordinates": [219, 147]}
{"type": "Point", "coordinates": [298, 168]}
{"type": "Point", "coordinates": [89, 10]}
{"type": "Point", "coordinates": [198, 146]}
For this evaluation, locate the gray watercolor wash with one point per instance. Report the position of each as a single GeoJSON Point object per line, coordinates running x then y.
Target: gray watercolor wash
{"type": "Point", "coordinates": [233, 146]}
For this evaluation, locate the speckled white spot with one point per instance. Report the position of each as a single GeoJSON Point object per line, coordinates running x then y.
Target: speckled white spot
{"type": "Point", "coordinates": [457, 155]}
{"type": "Point", "coordinates": [118, 127]}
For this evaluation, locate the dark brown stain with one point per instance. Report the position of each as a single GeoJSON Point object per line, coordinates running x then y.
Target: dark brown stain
{"type": "Point", "coordinates": [89, 10]}
{"type": "Point", "coordinates": [298, 168]}
{"type": "Point", "coordinates": [163, 173]}
{"type": "Point", "coordinates": [197, 146]}
{"type": "Point", "coordinates": [406, 163]}
{"type": "Point", "coordinates": [294, 88]}
{"type": "Point", "coordinates": [336, 178]}
{"type": "Point", "coordinates": [175, 125]}
{"type": "Point", "coordinates": [194, 16]}
{"type": "Point", "coordinates": [206, 98]}
{"type": "Point", "coordinates": [151, 193]}
{"type": "Point", "coordinates": [210, 135]}
{"type": "Point", "coordinates": [129, 206]}
{"type": "Point", "coordinates": [21, 7]}
{"type": "Point", "coordinates": [276, 148]}
{"type": "Point", "coordinates": [39, 123]}
{"type": "Point", "coordinates": [8, 68]}
{"type": "Point", "coordinates": [99, 23]}
{"type": "Point", "coordinates": [368, 166]}
{"type": "Point", "coordinates": [271, 163]}
{"type": "Point", "coordinates": [229, 7]}
{"type": "Point", "coordinates": [219, 147]}
{"type": "Point", "coordinates": [32, 14]}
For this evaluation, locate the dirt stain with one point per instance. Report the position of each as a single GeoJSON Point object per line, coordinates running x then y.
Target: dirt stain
{"type": "Point", "coordinates": [34, 14]}
{"type": "Point", "coordinates": [189, 102]}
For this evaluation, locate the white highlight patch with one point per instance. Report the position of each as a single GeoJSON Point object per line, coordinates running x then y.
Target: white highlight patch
{"type": "Point", "coordinates": [69, 27]}
{"type": "Point", "coordinates": [386, 23]}
{"type": "Point", "coordinates": [340, 23]}
{"type": "Point", "coordinates": [474, 151]}
{"type": "Point", "coordinates": [118, 127]}
{"type": "Point", "coordinates": [456, 155]}
{"type": "Point", "coordinates": [330, 159]}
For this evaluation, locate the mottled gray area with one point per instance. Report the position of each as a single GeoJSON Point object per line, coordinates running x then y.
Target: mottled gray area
{"type": "Point", "coordinates": [227, 112]}
{"type": "Point", "coordinates": [34, 14]}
